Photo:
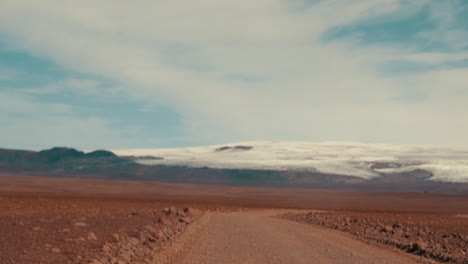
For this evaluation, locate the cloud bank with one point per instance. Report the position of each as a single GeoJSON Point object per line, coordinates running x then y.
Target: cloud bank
{"type": "Point", "coordinates": [341, 158]}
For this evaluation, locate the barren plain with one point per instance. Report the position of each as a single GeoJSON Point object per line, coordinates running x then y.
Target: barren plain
{"type": "Point", "coordinates": [64, 220]}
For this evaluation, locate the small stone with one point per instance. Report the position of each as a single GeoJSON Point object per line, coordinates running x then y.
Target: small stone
{"type": "Point", "coordinates": [184, 220]}
{"type": "Point", "coordinates": [36, 228]}
{"type": "Point", "coordinates": [94, 261]}
{"type": "Point", "coordinates": [116, 237]}
{"type": "Point", "coordinates": [387, 229]}
{"type": "Point", "coordinates": [106, 247]}
{"type": "Point", "coordinates": [92, 236]}
{"type": "Point", "coordinates": [150, 229]}
{"type": "Point", "coordinates": [55, 250]}
{"type": "Point", "coordinates": [80, 224]}
{"type": "Point", "coordinates": [163, 221]}
{"type": "Point", "coordinates": [172, 210]}
{"type": "Point", "coordinates": [420, 246]}
{"type": "Point", "coordinates": [133, 241]}
{"type": "Point", "coordinates": [159, 235]}
{"type": "Point", "coordinates": [66, 230]}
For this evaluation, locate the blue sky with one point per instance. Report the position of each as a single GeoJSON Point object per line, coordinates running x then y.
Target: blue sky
{"type": "Point", "coordinates": [158, 74]}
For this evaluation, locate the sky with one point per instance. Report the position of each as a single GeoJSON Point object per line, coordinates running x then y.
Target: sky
{"type": "Point", "coordinates": [148, 74]}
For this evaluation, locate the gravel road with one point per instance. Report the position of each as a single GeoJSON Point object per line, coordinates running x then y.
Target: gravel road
{"type": "Point", "coordinates": [258, 237]}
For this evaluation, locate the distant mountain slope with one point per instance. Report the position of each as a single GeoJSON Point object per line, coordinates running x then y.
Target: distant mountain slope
{"type": "Point", "coordinates": [227, 165]}
{"type": "Point", "coordinates": [363, 160]}
{"type": "Point", "coordinates": [59, 159]}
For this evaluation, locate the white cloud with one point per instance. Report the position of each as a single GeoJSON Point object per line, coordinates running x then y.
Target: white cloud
{"type": "Point", "coordinates": [185, 55]}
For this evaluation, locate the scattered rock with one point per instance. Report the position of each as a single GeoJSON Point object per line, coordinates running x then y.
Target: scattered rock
{"type": "Point", "coordinates": [133, 241]}
{"type": "Point", "coordinates": [159, 235]}
{"type": "Point", "coordinates": [387, 229]}
{"type": "Point", "coordinates": [92, 236]}
{"type": "Point", "coordinates": [79, 224]}
{"type": "Point", "coordinates": [106, 247]}
{"type": "Point", "coordinates": [163, 221]}
{"type": "Point", "coordinates": [419, 246]}
{"type": "Point", "coordinates": [150, 229]}
{"type": "Point", "coordinates": [171, 210]}
{"type": "Point", "coordinates": [55, 250]}
{"type": "Point", "coordinates": [414, 234]}
{"type": "Point", "coordinates": [184, 220]}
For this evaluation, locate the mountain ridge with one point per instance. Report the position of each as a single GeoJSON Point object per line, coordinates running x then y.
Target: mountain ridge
{"type": "Point", "coordinates": [103, 164]}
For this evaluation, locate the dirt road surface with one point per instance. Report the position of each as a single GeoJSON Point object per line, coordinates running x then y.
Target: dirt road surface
{"type": "Point", "coordinates": [259, 237]}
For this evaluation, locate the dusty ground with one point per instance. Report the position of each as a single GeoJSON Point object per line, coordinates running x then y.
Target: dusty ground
{"type": "Point", "coordinates": [259, 237]}
{"type": "Point", "coordinates": [435, 236]}
{"type": "Point", "coordinates": [55, 220]}
{"type": "Point", "coordinates": [78, 230]}
{"type": "Point", "coordinates": [223, 196]}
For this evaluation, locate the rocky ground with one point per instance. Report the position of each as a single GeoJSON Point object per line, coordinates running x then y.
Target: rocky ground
{"type": "Point", "coordinates": [443, 238]}
{"type": "Point", "coordinates": [58, 220]}
{"type": "Point", "coordinates": [83, 230]}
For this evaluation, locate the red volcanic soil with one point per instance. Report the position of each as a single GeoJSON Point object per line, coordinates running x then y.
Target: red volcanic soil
{"type": "Point", "coordinates": [437, 236]}
{"type": "Point", "coordinates": [65, 220]}
{"type": "Point", "coordinates": [225, 196]}
{"type": "Point", "coordinates": [53, 229]}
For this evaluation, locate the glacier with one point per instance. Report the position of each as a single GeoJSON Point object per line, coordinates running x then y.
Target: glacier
{"type": "Point", "coordinates": [360, 159]}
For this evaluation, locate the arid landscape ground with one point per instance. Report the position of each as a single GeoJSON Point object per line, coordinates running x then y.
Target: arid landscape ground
{"type": "Point", "coordinates": [233, 132]}
{"type": "Point", "coordinates": [64, 220]}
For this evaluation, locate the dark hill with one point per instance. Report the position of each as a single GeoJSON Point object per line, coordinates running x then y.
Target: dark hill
{"type": "Point", "coordinates": [57, 154]}
{"type": "Point", "coordinates": [228, 148]}
{"type": "Point", "coordinates": [101, 154]}
{"type": "Point", "coordinates": [59, 159]}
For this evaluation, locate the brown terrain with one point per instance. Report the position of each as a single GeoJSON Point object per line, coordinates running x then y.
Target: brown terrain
{"type": "Point", "coordinates": [64, 220]}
